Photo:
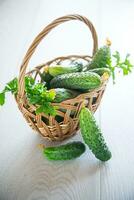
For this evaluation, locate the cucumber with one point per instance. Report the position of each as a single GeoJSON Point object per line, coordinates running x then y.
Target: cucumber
{"type": "Point", "coordinates": [65, 152]}
{"type": "Point", "coordinates": [101, 71]}
{"type": "Point", "coordinates": [58, 69]}
{"type": "Point", "coordinates": [46, 77]}
{"type": "Point", "coordinates": [101, 59]}
{"type": "Point", "coordinates": [64, 94]}
{"type": "Point", "coordinates": [92, 135]}
{"type": "Point", "coordinates": [80, 81]}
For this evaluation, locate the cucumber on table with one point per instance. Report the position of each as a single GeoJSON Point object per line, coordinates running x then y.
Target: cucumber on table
{"type": "Point", "coordinates": [92, 135]}
{"type": "Point", "coordinates": [82, 81]}
{"type": "Point", "coordinates": [59, 69]}
{"type": "Point", "coordinates": [65, 152]}
{"type": "Point", "coordinates": [63, 94]}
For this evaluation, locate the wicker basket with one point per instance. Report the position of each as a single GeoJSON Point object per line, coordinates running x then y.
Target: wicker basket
{"type": "Point", "coordinates": [48, 126]}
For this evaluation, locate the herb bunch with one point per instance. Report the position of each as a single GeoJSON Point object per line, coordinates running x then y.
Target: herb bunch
{"type": "Point", "coordinates": [36, 93]}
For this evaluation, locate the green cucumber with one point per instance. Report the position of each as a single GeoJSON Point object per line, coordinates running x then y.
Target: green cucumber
{"type": "Point", "coordinates": [101, 71]}
{"type": "Point", "coordinates": [92, 135]}
{"type": "Point", "coordinates": [101, 59]}
{"type": "Point", "coordinates": [64, 94]}
{"type": "Point", "coordinates": [46, 77]}
{"type": "Point", "coordinates": [65, 152]}
{"type": "Point", "coordinates": [80, 81]}
{"type": "Point", "coordinates": [59, 69]}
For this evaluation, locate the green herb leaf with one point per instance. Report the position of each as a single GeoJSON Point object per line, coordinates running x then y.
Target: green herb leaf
{"type": "Point", "coordinates": [124, 66]}
{"type": "Point", "coordinates": [29, 82]}
{"type": "Point", "coordinates": [47, 108]}
{"type": "Point", "coordinates": [50, 95]}
{"type": "Point", "coordinates": [12, 86]}
{"type": "Point", "coordinates": [38, 94]}
{"type": "Point", "coordinates": [2, 98]}
{"type": "Point", "coordinates": [116, 55]}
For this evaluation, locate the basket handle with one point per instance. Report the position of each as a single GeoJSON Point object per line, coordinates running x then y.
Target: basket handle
{"type": "Point", "coordinates": [42, 34]}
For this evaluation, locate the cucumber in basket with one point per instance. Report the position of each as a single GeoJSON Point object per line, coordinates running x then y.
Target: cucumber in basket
{"type": "Point", "coordinates": [102, 59]}
{"type": "Point", "coordinates": [80, 81]}
{"type": "Point", "coordinates": [101, 71]}
{"type": "Point", "coordinates": [92, 135]}
{"type": "Point", "coordinates": [59, 69]}
{"type": "Point", "coordinates": [63, 94]}
{"type": "Point", "coordinates": [65, 152]}
{"type": "Point", "coordinates": [46, 77]}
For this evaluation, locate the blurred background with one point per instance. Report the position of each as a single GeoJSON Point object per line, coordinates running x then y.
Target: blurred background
{"type": "Point", "coordinates": [22, 176]}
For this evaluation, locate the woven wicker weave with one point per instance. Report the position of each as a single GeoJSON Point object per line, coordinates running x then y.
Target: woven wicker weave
{"type": "Point", "coordinates": [48, 126]}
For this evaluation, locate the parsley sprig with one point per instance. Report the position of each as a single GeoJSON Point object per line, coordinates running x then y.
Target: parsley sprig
{"type": "Point", "coordinates": [37, 94]}
{"type": "Point", "coordinates": [12, 87]}
{"type": "Point", "coordinates": [124, 66]}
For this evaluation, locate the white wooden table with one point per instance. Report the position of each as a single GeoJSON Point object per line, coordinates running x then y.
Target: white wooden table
{"type": "Point", "coordinates": [24, 173]}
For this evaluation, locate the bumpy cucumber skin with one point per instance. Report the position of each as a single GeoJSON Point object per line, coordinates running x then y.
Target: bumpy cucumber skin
{"type": "Point", "coordinates": [102, 58]}
{"type": "Point", "coordinates": [58, 69]}
{"type": "Point", "coordinates": [63, 94]}
{"type": "Point", "coordinates": [92, 135]}
{"type": "Point", "coordinates": [101, 71]}
{"type": "Point", "coordinates": [65, 152]}
{"type": "Point", "coordinates": [80, 81]}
